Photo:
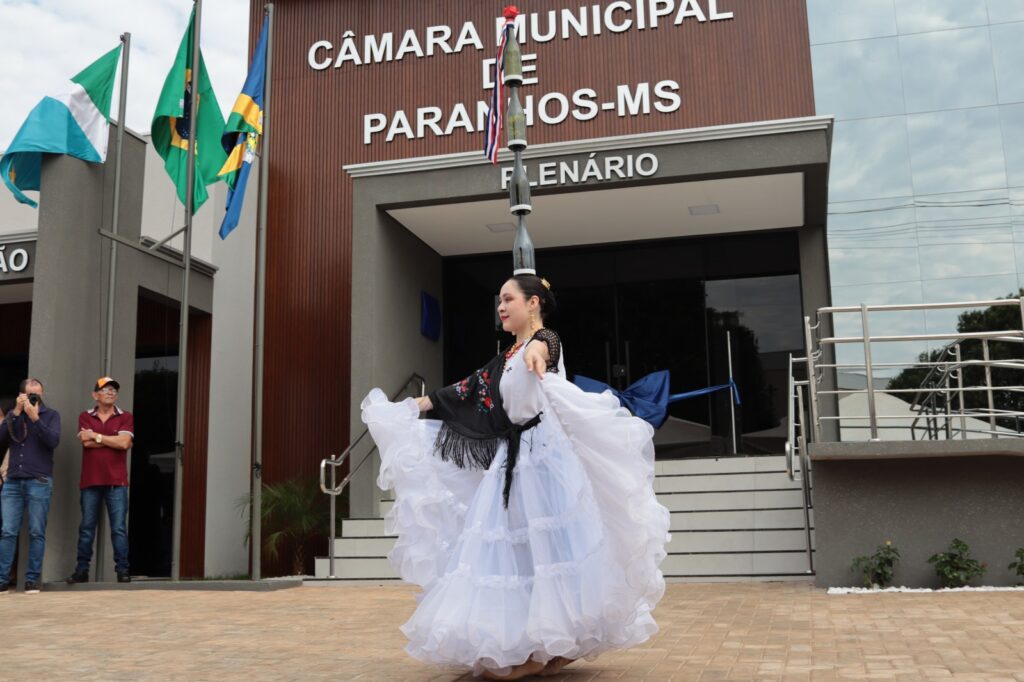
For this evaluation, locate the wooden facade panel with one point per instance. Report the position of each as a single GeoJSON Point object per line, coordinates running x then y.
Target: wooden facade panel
{"type": "Point", "coordinates": [753, 67]}
{"type": "Point", "coordinates": [197, 422]}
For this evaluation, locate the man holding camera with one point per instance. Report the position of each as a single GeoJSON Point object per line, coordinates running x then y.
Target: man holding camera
{"type": "Point", "coordinates": [32, 431]}
{"type": "Point", "coordinates": [106, 433]}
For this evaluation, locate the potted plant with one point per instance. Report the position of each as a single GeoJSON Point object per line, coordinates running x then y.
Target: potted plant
{"type": "Point", "coordinates": [293, 513]}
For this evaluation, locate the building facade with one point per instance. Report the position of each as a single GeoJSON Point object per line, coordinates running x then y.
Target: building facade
{"type": "Point", "coordinates": [705, 172]}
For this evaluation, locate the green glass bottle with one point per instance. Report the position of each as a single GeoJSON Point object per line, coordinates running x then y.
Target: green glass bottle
{"type": "Point", "coordinates": [515, 122]}
{"type": "Point", "coordinates": [519, 189]}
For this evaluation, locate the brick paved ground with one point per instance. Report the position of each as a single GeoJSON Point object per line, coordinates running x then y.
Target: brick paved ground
{"type": "Point", "coordinates": [708, 632]}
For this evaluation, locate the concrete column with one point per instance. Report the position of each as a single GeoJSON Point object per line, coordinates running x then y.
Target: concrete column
{"type": "Point", "coordinates": [68, 320]}
{"type": "Point", "coordinates": [392, 269]}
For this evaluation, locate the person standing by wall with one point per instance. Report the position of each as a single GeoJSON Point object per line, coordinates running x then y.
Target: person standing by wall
{"type": "Point", "coordinates": [106, 433]}
{"type": "Point", "coordinates": [32, 432]}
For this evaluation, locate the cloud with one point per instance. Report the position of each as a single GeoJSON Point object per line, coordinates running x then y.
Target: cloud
{"type": "Point", "coordinates": [43, 43]}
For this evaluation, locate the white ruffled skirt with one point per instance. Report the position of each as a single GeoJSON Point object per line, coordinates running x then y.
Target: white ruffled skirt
{"type": "Point", "coordinates": [570, 568]}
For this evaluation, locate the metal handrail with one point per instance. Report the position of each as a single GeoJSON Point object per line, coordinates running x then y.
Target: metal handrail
{"type": "Point", "coordinates": [995, 303]}
{"type": "Point", "coordinates": [805, 480]}
{"type": "Point", "coordinates": [928, 400]}
{"type": "Point", "coordinates": [337, 461]}
{"type": "Point", "coordinates": [796, 447]}
{"type": "Point", "coordinates": [792, 423]}
{"type": "Point", "coordinates": [334, 462]}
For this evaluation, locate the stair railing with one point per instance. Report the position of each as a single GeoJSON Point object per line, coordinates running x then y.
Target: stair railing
{"type": "Point", "coordinates": [796, 449]}
{"type": "Point", "coordinates": [335, 462]}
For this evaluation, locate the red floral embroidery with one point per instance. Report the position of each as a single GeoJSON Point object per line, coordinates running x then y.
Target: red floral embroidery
{"type": "Point", "coordinates": [484, 402]}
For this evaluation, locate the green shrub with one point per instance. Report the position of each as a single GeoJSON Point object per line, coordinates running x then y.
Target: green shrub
{"type": "Point", "coordinates": [877, 569]}
{"type": "Point", "coordinates": [955, 567]}
{"type": "Point", "coordinates": [1018, 565]}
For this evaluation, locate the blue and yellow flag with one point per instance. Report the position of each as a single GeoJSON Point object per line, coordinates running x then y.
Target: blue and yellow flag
{"type": "Point", "coordinates": [242, 133]}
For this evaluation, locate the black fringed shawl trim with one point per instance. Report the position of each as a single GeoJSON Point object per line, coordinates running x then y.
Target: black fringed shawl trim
{"type": "Point", "coordinates": [463, 451]}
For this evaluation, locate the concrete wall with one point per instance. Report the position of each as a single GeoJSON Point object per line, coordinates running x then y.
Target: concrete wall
{"type": "Point", "coordinates": [392, 268]}
{"type": "Point", "coordinates": [920, 504]}
{"type": "Point", "coordinates": [163, 213]}
{"type": "Point", "coordinates": [68, 313]}
{"type": "Point", "coordinates": [230, 443]}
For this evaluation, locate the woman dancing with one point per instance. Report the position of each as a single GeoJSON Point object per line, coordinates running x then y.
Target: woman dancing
{"type": "Point", "coordinates": [524, 508]}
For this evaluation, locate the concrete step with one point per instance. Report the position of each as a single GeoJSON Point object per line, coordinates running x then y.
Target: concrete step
{"type": "Point", "coordinates": [737, 564]}
{"type": "Point", "coordinates": [748, 499]}
{"type": "Point", "coordinates": [361, 569]}
{"type": "Point", "coordinates": [361, 528]}
{"type": "Point", "coordinates": [752, 519]}
{"type": "Point", "coordinates": [725, 541]}
{"type": "Point", "coordinates": [683, 542]}
{"type": "Point", "coordinates": [702, 483]}
{"type": "Point", "coordinates": [722, 465]}
{"type": "Point", "coordinates": [785, 578]}
{"type": "Point", "coordinates": [363, 546]}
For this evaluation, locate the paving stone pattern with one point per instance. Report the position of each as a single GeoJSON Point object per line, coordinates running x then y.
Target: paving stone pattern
{"type": "Point", "coordinates": [754, 631]}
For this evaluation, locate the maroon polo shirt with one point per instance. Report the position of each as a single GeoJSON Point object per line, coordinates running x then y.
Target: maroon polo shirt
{"type": "Point", "coordinates": [105, 466]}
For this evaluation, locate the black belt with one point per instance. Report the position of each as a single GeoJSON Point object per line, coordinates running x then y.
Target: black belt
{"type": "Point", "coordinates": [513, 437]}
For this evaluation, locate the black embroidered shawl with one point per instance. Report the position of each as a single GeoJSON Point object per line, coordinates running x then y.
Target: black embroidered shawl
{"type": "Point", "coordinates": [475, 421]}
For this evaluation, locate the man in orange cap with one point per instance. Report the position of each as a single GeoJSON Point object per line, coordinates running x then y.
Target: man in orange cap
{"type": "Point", "coordinates": [106, 433]}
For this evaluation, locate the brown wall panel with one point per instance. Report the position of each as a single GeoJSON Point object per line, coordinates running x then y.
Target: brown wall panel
{"type": "Point", "coordinates": [197, 422]}
{"type": "Point", "coordinates": [753, 67]}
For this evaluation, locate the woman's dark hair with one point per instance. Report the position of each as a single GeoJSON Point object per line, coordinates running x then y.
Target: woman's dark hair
{"type": "Point", "coordinates": [532, 285]}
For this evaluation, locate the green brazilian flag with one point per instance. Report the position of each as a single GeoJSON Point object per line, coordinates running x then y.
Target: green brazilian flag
{"type": "Point", "coordinates": [172, 129]}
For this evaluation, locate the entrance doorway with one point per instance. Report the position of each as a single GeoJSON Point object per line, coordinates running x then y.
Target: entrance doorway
{"type": "Point", "coordinates": [627, 310]}
{"type": "Point", "coordinates": [155, 408]}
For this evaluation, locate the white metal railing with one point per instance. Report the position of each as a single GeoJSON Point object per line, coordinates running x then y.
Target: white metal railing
{"type": "Point", "coordinates": [335, 462]}
{"type": "Point", "coordinates": [937, 399]}
{"type": "Point", "coordinates": [796, 450]}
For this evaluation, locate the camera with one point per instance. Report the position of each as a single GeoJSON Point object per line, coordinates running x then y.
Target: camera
{"type": "Point", "coordinates": [34, 399]}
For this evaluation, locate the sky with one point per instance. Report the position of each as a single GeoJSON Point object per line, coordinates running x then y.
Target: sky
{"type": "Point", "coordinates": [43, 43]}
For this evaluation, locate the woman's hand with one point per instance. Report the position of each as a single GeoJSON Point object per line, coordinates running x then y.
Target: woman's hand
{"type": "Point", "coordinates": [536, 359]}
{"type": "Point", "coordinates": [423, 402]}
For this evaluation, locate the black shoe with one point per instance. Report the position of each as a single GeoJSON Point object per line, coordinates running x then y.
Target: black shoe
{"type": "Point", "coordinates": [78, 577]}
{"type": "Point", "coordinates": [124, 578]}
{"type": "Point", "coordinates": [5, 588]}
{"type": "Point", "coordinates": [31, 587]}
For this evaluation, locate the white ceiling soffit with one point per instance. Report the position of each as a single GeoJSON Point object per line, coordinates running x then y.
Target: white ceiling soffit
{"type": "Point", "coordinates": [763, 202]}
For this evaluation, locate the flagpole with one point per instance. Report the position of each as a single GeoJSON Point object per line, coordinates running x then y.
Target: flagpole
{"type": "Point", "coordinates": [179, 440]}
{"type": "Point", "coordinates": [255, 509]}
{"type": "Point", "coordinates": [108, 342]}
{"type": "Point", "coordinates": [126, 39]}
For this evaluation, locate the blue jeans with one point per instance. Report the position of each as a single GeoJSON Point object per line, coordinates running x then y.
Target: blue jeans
{"type": "Point", "coordinates": [116, 499]}
{"type": "Point", "coordinates": [18, 495]}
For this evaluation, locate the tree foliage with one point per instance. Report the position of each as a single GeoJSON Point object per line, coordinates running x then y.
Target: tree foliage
{"type": "Point", "coordinates": [998, 318]}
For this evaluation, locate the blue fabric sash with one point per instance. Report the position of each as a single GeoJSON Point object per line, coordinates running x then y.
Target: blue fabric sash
{"type": "Point", "coordinates": [648, 397]}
